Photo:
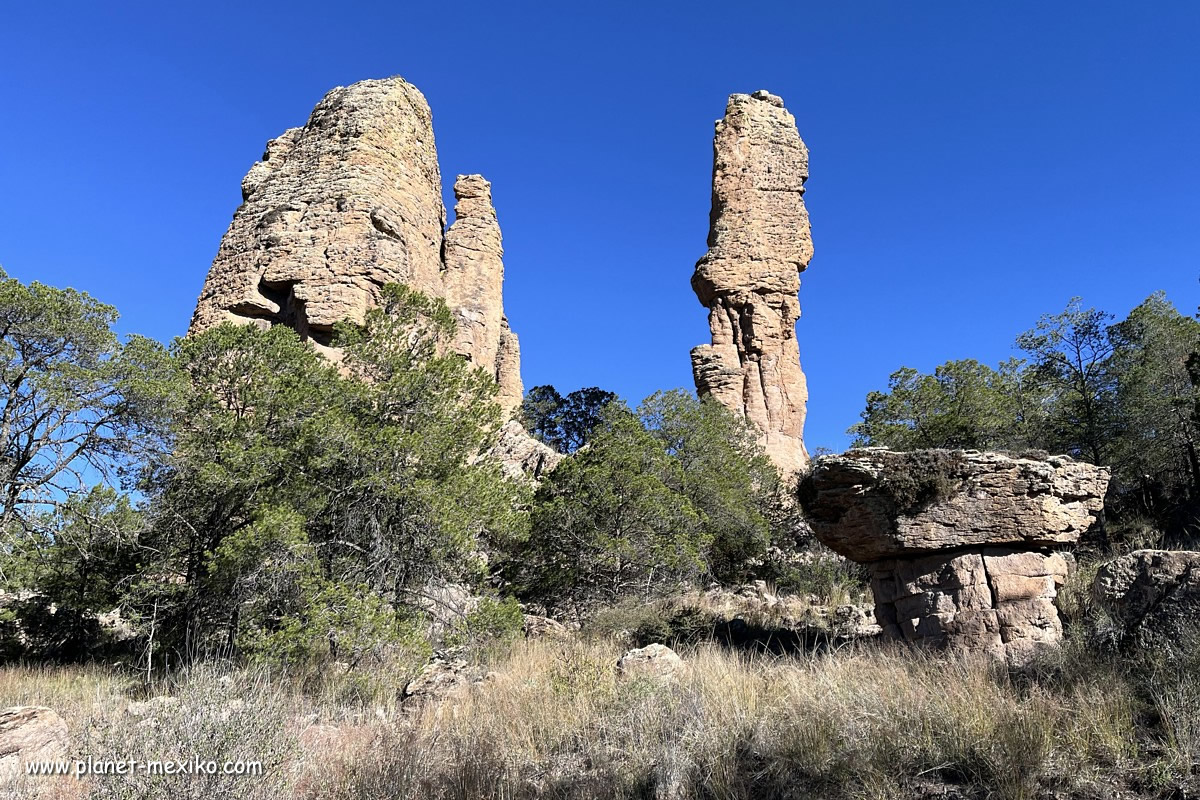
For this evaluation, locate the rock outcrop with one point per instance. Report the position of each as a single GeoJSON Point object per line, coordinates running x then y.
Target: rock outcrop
{"type": "Point", "coordinates": [352, 201]}
{"type": "Point", "coordinates": [1153, 595]}
{"type": "Point", "coordinates": [758, 243]}
{"type": "Point", "coordinates": [29, 733]}
{"type": "Point", "coordinates": [521, 456]}
{"type": "Point", "coordinates": [876, 503]}
{"type": "Point", "coordinates": [962, 545]}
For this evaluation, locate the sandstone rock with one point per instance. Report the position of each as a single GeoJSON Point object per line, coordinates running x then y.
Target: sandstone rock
{"type": "Point", "coordinates": [445, 604]}
{"type": "Point", "coordinates": [1153, 594]}
{"type": "Point", "coordinates": [759, 242]}
{"type": "Point", "coordinates": [538, 627]}
{"type": "Point", "coordinates": [352, 201]}
{"type": "Point", "coordinates": [521, 456]}
{"type": "Point", "coordinates": [963, 499]}
{"type": "Point", "coordinates": [959, 543]}
{"type": "Point", "coordinates": [655, 662]}
{"type": "Point", "coordinates": [29, 733]}
{"type": "Point", "coordinates": [853, 621]}
{"type": "Point", "coordinates": [473, 281]}
{"type": "Point", "coordinates": [994, 600]}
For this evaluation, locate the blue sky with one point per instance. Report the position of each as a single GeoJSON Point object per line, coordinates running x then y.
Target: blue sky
{"type": "Point", "coordinates": [973, 165]}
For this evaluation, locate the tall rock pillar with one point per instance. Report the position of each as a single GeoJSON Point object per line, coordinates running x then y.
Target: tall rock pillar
{"type": "Point", "coordinates": [759, 242]}
{"type": "Point", "coordinates": [348, 203]}
{"type": "Point", "coordinates": [474, 282]}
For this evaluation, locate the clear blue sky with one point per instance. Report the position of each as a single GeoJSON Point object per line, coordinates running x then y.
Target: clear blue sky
{"type": "Point", "coordinates": [973, 164]}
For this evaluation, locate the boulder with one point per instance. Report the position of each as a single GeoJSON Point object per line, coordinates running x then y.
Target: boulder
{"type": "Point", "coordinates": [758, 243]}
{"type": "Point", "coordinates": [538, 627]}
{"type": "Point", "coordinates": [30, 733]}
{"type": "Point", "coordinates": [448, 677]}
{"type": "Point", "coordinates": [963, 546]}
{"type": "Point", "coordinates": [655, 662]}
{"type": "Point", "coordinates": [1153, 595]}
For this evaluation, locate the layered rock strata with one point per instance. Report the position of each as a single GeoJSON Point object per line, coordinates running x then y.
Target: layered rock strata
{"type": "Point", "coordinates": [758, 244]}
{"type": "Point", "coordinates": [352, 201]}
{"type": "Point", "coordinates": [963, 546]}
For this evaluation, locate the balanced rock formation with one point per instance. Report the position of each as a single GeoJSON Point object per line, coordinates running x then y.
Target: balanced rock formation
{"type": "Point", "coordinates": [961, 544]}
{"type": "Point", "coordinates": [759, 242]}
{"type": "Point", "coordinates": [350, 202]}
{"type": "Point", "coordinates": [1154, 595]}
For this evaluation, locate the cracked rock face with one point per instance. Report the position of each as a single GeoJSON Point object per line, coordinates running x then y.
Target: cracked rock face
{"type": "Point", "coordinates": [1153, 594]}
{"type": "Point", "coordinates": [352, 201]}
{"type": "Point", "coordinates": [28, 734]}
{"type": "Point", "coordinates": [961, 544]}
{"type": "Point", "coordinates": [993, 600]}
{"type": "Point", "coordinates": [960, 499]}
{"type": "Point", "coordinates": [759, 242]}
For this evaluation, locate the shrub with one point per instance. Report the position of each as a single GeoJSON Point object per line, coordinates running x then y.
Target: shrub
{"type": "Point", "coordinates": [915, 480]}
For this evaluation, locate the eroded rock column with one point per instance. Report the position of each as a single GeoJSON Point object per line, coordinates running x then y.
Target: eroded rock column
{"type": "Point", "coordinates": [759, 241]}
{"type": "Point", "coordinates": [474, 284]}
{"type": "Point", "coordinates": [350, 202]}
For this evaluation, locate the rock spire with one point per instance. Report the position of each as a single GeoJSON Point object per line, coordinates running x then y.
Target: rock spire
{"type": "Point", "coordinates": [352, 201]}
{"type": "Point", "coordinates": [758, 244]}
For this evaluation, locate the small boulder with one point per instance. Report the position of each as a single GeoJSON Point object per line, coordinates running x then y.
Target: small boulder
{"type": "Point", "coordinates": [1154, 595]}
{"type": "Point", "coordinates": [30, 733]}
{"type": "Point", "coordinates": [655, 662]}
{"type": "Point", "coordinates": [447, 677]}
{"type": "Point", "coordinates": [538, 627]}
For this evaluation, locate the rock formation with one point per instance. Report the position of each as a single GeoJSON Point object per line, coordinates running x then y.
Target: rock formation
{"type": "Point", "coordinates": [961, 544]}
{"type": "Point", "coordinates": [758, 243]}
{"type": "Point", "coordinates": [27, 734]}
{"type": "Point", "coordinates": [521, 456]}
{"type": "Point", "coordinates": [352, 201]}
{"type": "Point", "coordinates": [1153, 595]}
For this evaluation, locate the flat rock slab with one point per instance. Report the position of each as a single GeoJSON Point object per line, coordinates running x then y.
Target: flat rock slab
{"type": "Point", "coordinates": [872, 504]}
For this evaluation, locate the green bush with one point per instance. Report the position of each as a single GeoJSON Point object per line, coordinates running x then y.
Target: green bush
{"type": "Point", "coordinates": [492, 620]}
{"type": "Point", "coordinates": [913, 481]}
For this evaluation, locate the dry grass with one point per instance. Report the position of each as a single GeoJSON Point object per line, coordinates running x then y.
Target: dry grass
{"type": "Point", "coordinates": [552, 720]}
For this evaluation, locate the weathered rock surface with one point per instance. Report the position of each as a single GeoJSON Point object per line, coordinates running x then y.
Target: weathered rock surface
{"type": "Point", "coordinates": [474, 281]}
{"type": "Point", "coordinates": [352, 201]}
{"type": "Point", "coordinates": [873, 503]}
{"type": "Point", "coordinates": [29, 733]}
{"type": "Point", "coordinates": [655, 662]}
{"type": "Point", "coordinates": [960, 544]}
{"type": "Point", "coordinates": [448, 677]}
{"type": "Point", "coordinates": [535, 626]}
{"type": "Point", "coordinates": [1153, 594]}
{"type": "Point", "coordinates": [994, 600]}
{"type": "Point", "coordinates": [522, 456]}
{"type": "Point", "coordinates": [759, 241]}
